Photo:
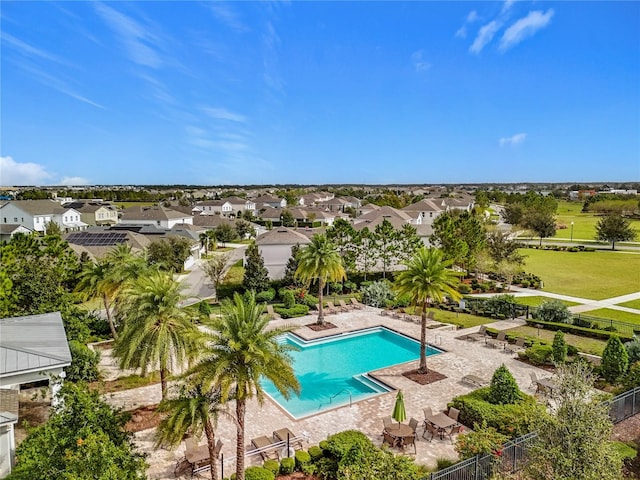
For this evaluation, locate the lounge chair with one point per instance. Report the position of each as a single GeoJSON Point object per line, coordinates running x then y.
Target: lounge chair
{"type": "Point", "coordinates": [501, 339]}
{"type": "Point", "coordinates": [453, 414]}
{"type": "Point", "coordinates": [517, 347]}
{"type": "Point", "coordinates": [534, 380]}
{"type": "Point", "coordinates": [272, 314]}
{"type": "Point", "coordinates": [356, 303]}
{"type": "Point", "coordinates": [262, 444]}
{"type": "Point", "coordinates": [345, 307]}
{"type": "Point", "coordinates": [410, 440]}
{"type": "Point", "coordinates": [455, 430]}
{"type": "Point", "coordinates": [281, 436]}
{"type": "Point", "coordinates": [326, 310]}
{"type": "Point", "coordinates": [337, 309]}
{"type": "Point", "coordinates": [430, 428]}
{"type": "Point", "coordinates": [475, 381]}
{"type": "Point", "coordinates": [479, 335]}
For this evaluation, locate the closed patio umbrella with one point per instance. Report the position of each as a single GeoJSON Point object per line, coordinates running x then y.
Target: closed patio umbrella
{"type": "Point", "coordinates": [399, 412]}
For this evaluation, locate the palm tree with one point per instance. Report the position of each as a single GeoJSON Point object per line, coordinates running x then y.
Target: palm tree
{"type": "Point", "coordinates": [194, 410]}
{"type": "Point", "coordinates": [238, 353]}
{"type": "Point", "coordinates": [96, 281]}
{"type": "Point", "coordinates": [157, 333]}
{"type": "Point", "coordinates": [427, 278]}
{"type": "Point", "coordinates": [320, 261]}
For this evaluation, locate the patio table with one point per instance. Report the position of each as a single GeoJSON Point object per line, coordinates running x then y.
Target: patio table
{"type": "Point", "coordinates": [197, 456]}
{"type": "Point", "coordinates": [545, 386]}
{"type": "Point", "coordinates": [441, 421]}
{"type": "Point", "coordinates": [399, 431]}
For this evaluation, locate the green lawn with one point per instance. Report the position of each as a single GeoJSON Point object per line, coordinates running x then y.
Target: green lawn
{"type": "Point", "coordinates": [584, 224]}
{"type": "Point", "coordinates": [583, 344]}
{"type": "Point", "coordinates": [135, 204]}
{"type": "Point", "coordinates": [537, 301]}
{"type": "Point", "coordinates": [615, 315]}
{"type": "Point", "coordinates": [631, 304]}
{"type": "Point", "coordinates": [595, 275]}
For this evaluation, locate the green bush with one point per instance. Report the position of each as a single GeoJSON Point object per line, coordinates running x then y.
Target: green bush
{"type": "Point", "coordinates": [295, 311]}
{"type": "Point", "coordinates": [481, 440]}
{"type": "Point", "coordinates": [350, 287]}
{"type": "Point", "coordinates": [377, 294]}
{"type": "Point", "coordinates": [287, 465]}
{"type": "Point", "coordinates": [84, 363]}
{"type": "Point", "coordinates": [553, 311]}
{"type": "Point", "coordinates": [324, 445]}
{"type": "Point", "coordinates": [615, 359]}
{"type": "Point", "coordinates": [204, 309]}
{"type": "Point", "coordinates": [442, 463]}
{"type": "Point", "coordinates": [315, 453]}
{"type": "Point", "coordinates": [632, 379]}
{"type": "Point", "coordinates": [512, 419]}
{"type": "Point", "coordinates": [504, 389]}
{"type": "Point", "coordinates": [288, 299]}
{"type": "Point", "coordinates": [307, 299]}
{"type": "Point", "coordinates": [401, 301]}
{"type": "Point", "coordinates": [340, 443]}
{"type": "Point", "coordinates": [266, 296]}
{"type": "Point", "coordinates": [272, 465]}
{"type": "Point", "coordinates": [559, 348]}
{"type": "Point", "coordinates": [258, 473]}
{"type": "Point", "coordinates": [539, 354]}
{"type": "Point", "coordinates": [572, 350]}
{"type": "Point", "coordinates": [464, 288]}
{"type": "Point", "coordinates": [633, 351]}
{"type": "Point", "coordinates": [302, 458]}
{"type": "Point", "coordinates": [335, 288]}
{"type": "Point", "coordinates": [566, 328]}
{"type": "Point", "coordinates": [500, 304]}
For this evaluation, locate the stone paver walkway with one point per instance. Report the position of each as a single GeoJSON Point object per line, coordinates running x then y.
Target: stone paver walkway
{"type": "Point", "coordinates": [458, 359]}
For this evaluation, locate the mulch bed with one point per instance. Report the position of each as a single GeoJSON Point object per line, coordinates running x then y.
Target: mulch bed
{"type": "Point", "coordinates": [319, 328]}
{"type": "Point", "coordinates": [297, 476]}
{"type": "Point", "coordinates": [424, 378]}
{"type": "Point", "coordinates": [143, 418]}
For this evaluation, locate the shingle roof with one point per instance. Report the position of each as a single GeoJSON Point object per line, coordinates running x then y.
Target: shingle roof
{"type": "Point", "coordinates": [36, 207]}
{"type": "Point", "coordinates": [282, 236]}
{"type": "Point", "coordinates": [32, 342]}
{"type": "Point", "coordinates": [151, 213]}
{"type": "Point", "coordinates": [9, 228]}
{"type": "Point", "coordinates": [425, 205]}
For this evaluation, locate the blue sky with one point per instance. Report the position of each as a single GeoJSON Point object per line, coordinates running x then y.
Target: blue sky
{"type": "Point", "coordinates": [319, 92]}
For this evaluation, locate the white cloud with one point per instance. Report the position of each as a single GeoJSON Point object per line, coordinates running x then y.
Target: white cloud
{"type": "Point", "coordinates": [472, 16]}
{"type": "Point", "coordinates": [516, 139]}
{"type": "Point", "coordinates": [228, 16]}
{"type": "Point", "coordinates": [15, 173]}
{"type": "Point", "coordinates": [419, 63]}
{"type": "Point", "coordinates": [507, 5]}
{"type": "Point", "coordinates": [29, 50]}
{"type": "Point", "coordinates": [224, 114]}
{"type": "Point", "coordinates": [73, 181]}
{"type": "Point", "coordinates": [485, 34]}
{"type": "Point", "coordinates": [525, 27]}
{"type": "Point", "coordinates": [461, 32]}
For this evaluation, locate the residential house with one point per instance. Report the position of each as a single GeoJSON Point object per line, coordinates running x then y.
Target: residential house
{"type": "Point", "coordinates": [269, 201]}
{"type": "Point", "coordinates": [96, 242]}
{"type": "Point", "coordinates": [275, 248]}
{"type": "Point", "coordinates": [396, 217]}
{"type": "Point", "coordinates": [36, 214]}
{"type": "Point", "coordinates": [240, 205]}
{"type": "Point", "coordinates": [158, 216]}
{"type": "Point", "coordinates": [8, 230]}
{"type": "Point", "coordinates": [309, 199]}
{"type": "Point", "coordinates": [95, 212]}
{"type": "Point", "coordinates": [32, 348]}
{"type": "Point", "coordinates": [339, 204]}
{"type": "Point", "coordinates": [217, 207]}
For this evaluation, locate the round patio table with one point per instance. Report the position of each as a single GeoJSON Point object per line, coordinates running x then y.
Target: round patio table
{"type": "Point", "coordinates": [400, 430]}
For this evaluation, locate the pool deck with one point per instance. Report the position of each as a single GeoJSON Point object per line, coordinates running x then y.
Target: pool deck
{"type": "Point", "coordinates": [459, 358]}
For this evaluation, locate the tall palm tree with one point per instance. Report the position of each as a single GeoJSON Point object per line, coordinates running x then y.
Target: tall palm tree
{"type": "Point", "coordinates": [238, 353]}
{"type": "Point", "coordinates": [157, 333]}
{"type": "Point", "coordinates": [320, 261]}
{"type": "Point", "coordinates": [194, 410]}
{"type": "Point", "coordinates": [427, 278]}
{"type": "Point", "coordinates": [97, 281]}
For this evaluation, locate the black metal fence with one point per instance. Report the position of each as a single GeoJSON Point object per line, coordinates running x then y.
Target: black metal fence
{"type": "Point", "coordinates": [514, 453]}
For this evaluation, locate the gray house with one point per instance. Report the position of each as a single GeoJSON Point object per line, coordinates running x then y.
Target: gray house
{"type": "Point", "coordinates": [275, 248]}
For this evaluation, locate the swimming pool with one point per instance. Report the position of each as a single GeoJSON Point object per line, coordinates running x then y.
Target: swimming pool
{"type": "Point", "coordinates": [333, 371]}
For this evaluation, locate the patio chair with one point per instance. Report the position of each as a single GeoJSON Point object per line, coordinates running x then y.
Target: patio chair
{"type": "Point", "coordinates": [501, 339]}
{"type": "Point", "coordinates": [262, 444]}
{"type": "Point", "coordinates": [281, 436]}
{"type": "Point", "coordinates": [330, 309]}
{"type": "Point", "coordinates": [413, 423]}
{"type": "Point", "coordinates": [455, 430]}
{"type": "Point", "coordinates": [427, 412]}
{"type": "Point", "coordinates": [410, 440]}
{"type": "Point", "coordinates": [344, 306]}
{"type": "Point", "coordinates": [182, 464]}
{"type": "Point", "coordinates": [356, 303]}
{"type": "Point", "coordinates": [516, 347]}
{"type": "Point", "coordinates": [389, 439]}
{"type": "Point", "coordinates": [337, 309]}
{"type": "Point", "coordinates": [430, 428]}
{"type": "Point", "coordinates": [534, 380]}
{"type": "Point", "coordinates": [453, 414]}
{"type": "Point", "coordinates": [272, 314]}
{"type": "Point", "coordinates": [387, 421]}
{"type": "Point", "coordinates": [480, 334]}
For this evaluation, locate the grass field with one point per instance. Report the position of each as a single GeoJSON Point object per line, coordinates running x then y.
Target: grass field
{"type": "Point", "coordinates": [595, 275]}
{"type": "Point", "coordinates": [134, 204]}
{"type": "Point", "coordinates": [537, 301]}
{"type": "Point", "coordinates": [583, 344]}
{"type": "Point", "coordinates": [631, 304]}
{"type": "Point", "coordinates": [615, 315]}
{"type": "Point", "coordinates": [584, 224]}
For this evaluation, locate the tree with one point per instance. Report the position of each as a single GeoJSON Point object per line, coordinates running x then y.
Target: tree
{"type": "Point", "coordinates": [427, 279]}
{"type": "Point", "coordinates": [344, 237]}
{"type": "Point", "coordinates": [408, 242]}
{"type": "Point", "coordinates": [614, 228]}
{"type": "Point", "coordinates": [320, 261]}
{"type": "Point", "coordinates": [386, 244]}
{"type": "Point", "coordinates": [504, 254]}
{"type": "Point", "coordinates": [289, 278]}
{"type": "Point", "coordinates": [615, 359]}
{"type": "Point", "coordinates": [573, 440]}
{"type": "Point", "coordinates": [461, 236]}
{"type": "Point", "coordinates": [214, 268]}
{"type": "Point", "coordinates": [52, 228]}
{"type": "Point", "coordinates": [225, 233]}
{"type": "Point", "coordinates": [364, 244]}
{"type": "Point", "coordinates": [553, 311]}
{"type": "Point", "coordinates": [244, 229]}
{"type": "Point", "coordinates": [193, 410]}
{"type": "Point", "coordinates": [559, 348]}
{"type": "Point", "coordinates": [208, 240]}
{"type": "Point", "coordinates": [504, 389]}
{"type": "Point", "coordinates": [238, 352]}
{"type": "Point", "coordinates": [157, 333]}
{"type": "Point", "coordinates": [169, 254]}
{"type": "Point", "coordinates": [256, 276]}
{"type": "Point", "coordinates": [287, 219]}
{"type": "Point", "coordinates": [97, 281]}
{"type": "Point", "coordinates": [83, 438]}
{"type": "Point", "coordinates": [543, 223]}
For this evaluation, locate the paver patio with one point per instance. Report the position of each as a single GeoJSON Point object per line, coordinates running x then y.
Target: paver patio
{"type": "Point", "coordinates": [459, 359]}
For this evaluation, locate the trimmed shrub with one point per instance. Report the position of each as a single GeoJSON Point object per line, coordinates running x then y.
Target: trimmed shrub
{"type": "Point", "coordinates": [340, 443]}
{"type": "Point", "coordinates": [377, 294]}
{"type": "Point", "coordinates": [315, 453]}
{"type": "Point", "coordinates": [350, 287]}
{"type": "Point", "coordinates": [559, 348]}
{"type": "Point", "coordinates": [302, 459]}
{"type": "Point", "coordinates": [632, 379]}
{"type": "Point", "coordinates": [504, 389]}
{"type": "Point", "coordinates": [553, 311]}
{"type": "Point", "coordinates": [464, 288]}
{"type": "Point", "coordinates": [539, 354]}
{"type": "Point", "coordinates": [335, 288]}
{"type": "Point", "coordinates": [442, 463]}
{"type": "Point", "coordinates": [84, 363]}
{"type": "Point", "coordinates": [272, 465]}
{"type": "Point", "coordinates": [258, 473]}
{"type": "Point", "coordinates": [307, 299]}
{"type": "Point", "coordinates": [572, 350]}
{"type": "Point", "coordinates": [500, 304]}
{"type": "Point", "coordinates": [266, 296]}
{"type": "Point", "coordinates": [288, 299]}
{"type": "Point", "coordinates": [204, 309]}
{"type": "Point", "coordinates": [295, 311]}
{"type": "Point", "coordinates": [633, 351]}
{"type": "Point", "coordinates": [615, 359]}
{"type": "Point", "coordinates": [287, 465]}
{"type": "Point", "coordinates": [481, 440]}
{"type": "Point", "coordinates": [566, 328]}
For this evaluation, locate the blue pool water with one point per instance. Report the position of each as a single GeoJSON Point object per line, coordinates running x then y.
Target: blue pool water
{"type": "Point", "coordinates": [331, 370]}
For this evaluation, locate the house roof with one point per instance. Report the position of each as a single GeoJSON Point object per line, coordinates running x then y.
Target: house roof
{"type": "Point", "coordinates": [282, 236]}
{"type": "Point", "coordinates": [397, 218]}
{"type": "Point", "coordinates": [425, 205]}
{"type": "Point", "coordinates": [267, 199]}
{"type": "Point", "coordinates": [9, 228]}
{"type": "Point", "coordinates": [32, 343]}
{"type": "Point", "coordinates": [212, 203]}
{"type": "Point", "coordinates": [152, 213]}
{"type": "Point", "coordinates": [88, 207]}
{"type": "Point", "coordinates": [237, 200]}
{"type": "Point", "coordinates": [210, 221]}
{"type": "Point", "coordinates": [37, 207]}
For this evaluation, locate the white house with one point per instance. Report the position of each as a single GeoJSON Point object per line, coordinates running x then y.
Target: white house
{"type": "Point", "coordinates": [95, 212]}
{"type": "Point", "coordinates": [219, 207]}
{"type": "Point", "coordinates": [275, 248]}
{"type": "Point", "coordinates": [157, 215]}
{"type": "Point", "coordinates": [32, 348]}
{"type": "Point", "coordinates": [36, 214]}
{"type": "Point", "coordinates": [269, 201]}
{"type": "Point", "coordinates": [8, 230]}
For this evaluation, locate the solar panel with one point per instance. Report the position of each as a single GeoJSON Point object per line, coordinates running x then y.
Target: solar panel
{"type": "Point", "coordinates": [97, 239]}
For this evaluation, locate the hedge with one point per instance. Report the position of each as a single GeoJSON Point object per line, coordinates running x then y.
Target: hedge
{"type": "Point", "coordinates": [567, 328]}
{"type": "Point", "coordinates": [296, 311]}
